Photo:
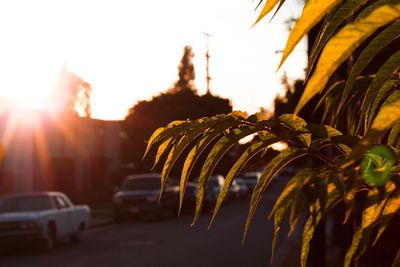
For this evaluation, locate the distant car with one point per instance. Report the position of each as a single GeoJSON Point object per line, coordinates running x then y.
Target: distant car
{"type": "Point", "coordinates": [216, 183]}
{"type": "Point", "coordinates": [189, 201]}
{"type": "Point", "coordinates": [235, 190]}
{"type": "Point", "coordinates": [250, 179]}
{"type": "Point", "coordinates": [139, 195]}
{"type": "Point", "coordinates": [243, 189]}
{"type": "Point", "coordinates": [41, 217]}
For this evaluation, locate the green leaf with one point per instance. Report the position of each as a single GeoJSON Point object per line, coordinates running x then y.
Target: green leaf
{"type": "Point", "coordinates": [344, 43]}
{"type": "Point", "coordinates": [332, 22]}
{"type": "Point", "coordinates": [384, 73]}
{"type": "Point", "coordinates": [284, 158]}
{"type": "Point", "coordinates": [374, 47]}
{"type": "Point", "coordinates": [269, 5]}
{"type": "Point", "coordinates": [249, 153]}
{"type": "Point", "coordinates": [313, 12]}
{"type": "Point", "coordinates": [213, 158]}
{"type": "Point", "coordinates": [376, 165]}
{"type": "Point", "coordinates": [387, 116]}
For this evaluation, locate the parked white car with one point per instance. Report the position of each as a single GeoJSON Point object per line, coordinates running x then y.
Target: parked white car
{"type": "Point", "coordinates": [41, 217]}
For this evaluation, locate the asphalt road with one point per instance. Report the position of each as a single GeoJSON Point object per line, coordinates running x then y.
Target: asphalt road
{"type": "Point", "coordinates": [172, 242]}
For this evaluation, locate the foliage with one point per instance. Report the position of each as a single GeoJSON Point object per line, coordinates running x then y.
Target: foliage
{"type": "Point", "coordinates": [186, 72]}
{"type": "Point", "coordinates": [73, 93]}
{"type": "Point", "coordinates": [349, 29]}
{"type": "Point", "coordinates": [181, 102]}
{"type": "Point", "coordinates": [287, 103]}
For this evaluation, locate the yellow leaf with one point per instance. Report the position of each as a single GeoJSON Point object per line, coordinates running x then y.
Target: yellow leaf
{"type": "Point", "coordinates": [313, 12]}
{"type": "Point", "coordinates": [343, 44]}
{"type": "Point", "coordinates": [389, 114]}
{"type": "Point", "coordinates": [269, 5]}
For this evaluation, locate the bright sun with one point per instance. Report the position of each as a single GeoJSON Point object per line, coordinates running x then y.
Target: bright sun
{"type": "Point", "coordinates": [29, 87]}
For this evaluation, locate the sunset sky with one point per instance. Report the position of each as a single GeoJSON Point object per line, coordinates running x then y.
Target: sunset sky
{"type": "Point", "coordinates": [130, 50]}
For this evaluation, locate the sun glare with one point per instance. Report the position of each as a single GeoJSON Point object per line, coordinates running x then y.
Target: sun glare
{"type": "Point", "coordinates": [26, 99]}
{"type": "Point", "coordinates": [28, 87]}
{"type": "Point", "coordinates": [129, 50]}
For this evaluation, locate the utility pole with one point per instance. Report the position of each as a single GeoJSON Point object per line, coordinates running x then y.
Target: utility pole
{"type": "Point", "coordinates": [208, 78]}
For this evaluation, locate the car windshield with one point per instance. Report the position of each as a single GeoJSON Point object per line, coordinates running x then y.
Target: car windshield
{"type": "Point", "coordinates": [142, 184]}
{"type": "Point", "coordinates": [25, 203]}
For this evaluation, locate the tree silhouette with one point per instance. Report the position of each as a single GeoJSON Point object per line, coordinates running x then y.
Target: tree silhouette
{"type": "Point", "coordinates": [186, 72]}
{"type": "Point", "coordinates": [287, 103]}
{"type": "Point", "coordinates": [181, 102]}
{"type": "Point", "coordinates": [72, 94]}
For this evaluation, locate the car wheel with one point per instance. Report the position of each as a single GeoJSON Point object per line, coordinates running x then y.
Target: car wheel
{"type": "Point", "coordinates": [77, 237]}
{"type": "Point", "coordinates": [50, 239]}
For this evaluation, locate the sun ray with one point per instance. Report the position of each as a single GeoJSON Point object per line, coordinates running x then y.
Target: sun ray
{"type": "Point", "coordinates": [42, 152]}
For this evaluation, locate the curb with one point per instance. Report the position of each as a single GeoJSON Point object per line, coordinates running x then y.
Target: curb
{"type": "Point", "coordinates": [102, 224]}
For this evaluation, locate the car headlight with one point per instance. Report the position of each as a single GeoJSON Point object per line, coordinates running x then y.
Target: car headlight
{"type": "Point", "coordinates": [28, 225]}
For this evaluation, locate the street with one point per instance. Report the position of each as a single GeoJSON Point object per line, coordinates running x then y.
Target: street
{"type": "Point", "coordinates": [172, 242]}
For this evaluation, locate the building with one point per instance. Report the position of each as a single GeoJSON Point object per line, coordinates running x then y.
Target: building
{"type": "Point", "coordinates": [64, 152]}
